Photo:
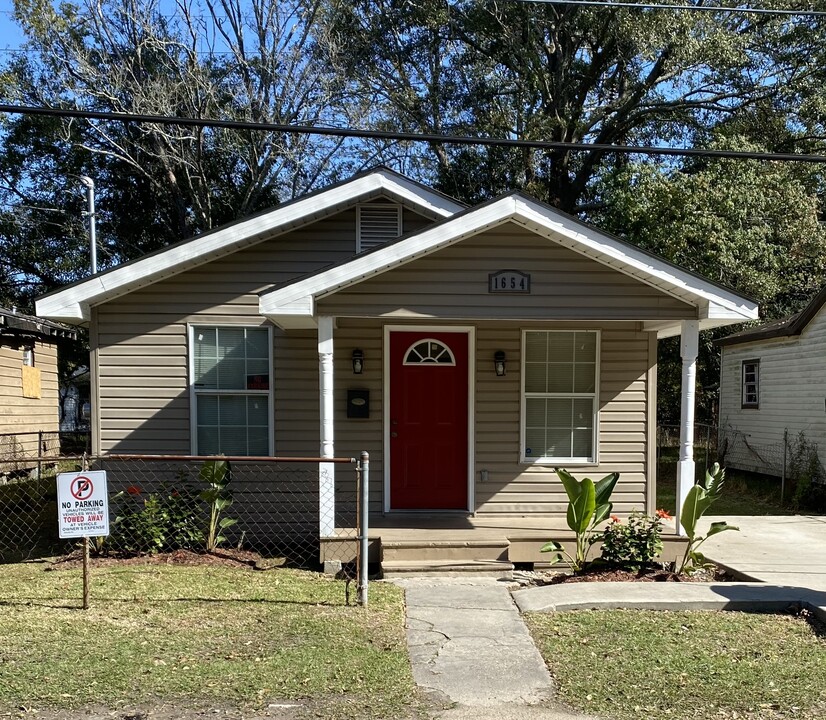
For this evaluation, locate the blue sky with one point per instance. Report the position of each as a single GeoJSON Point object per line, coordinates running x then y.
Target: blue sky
{"type": "Point", "coordinates": [10, 36]}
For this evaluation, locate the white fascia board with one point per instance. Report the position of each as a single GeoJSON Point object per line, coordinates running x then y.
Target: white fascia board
{"type": "Point", "coordinates": [72, 304]}
{"type": "Point", "coordinates": [638, 264]}
{"type": "Point", "coordinates": [358, 269]}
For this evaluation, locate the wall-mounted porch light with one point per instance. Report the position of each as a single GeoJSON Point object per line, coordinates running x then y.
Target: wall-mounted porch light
{"type": "Point", "coordinates": [499, 362]}
{"type": "Point", "coordinates": [358, 362]}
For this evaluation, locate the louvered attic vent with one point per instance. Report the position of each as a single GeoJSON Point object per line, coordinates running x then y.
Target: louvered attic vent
{"type": "Point", "coordinates": [376, 224]}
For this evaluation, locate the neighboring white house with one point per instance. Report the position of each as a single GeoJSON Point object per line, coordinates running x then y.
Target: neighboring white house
{"type": "Point", "coordinates": [773, 383]}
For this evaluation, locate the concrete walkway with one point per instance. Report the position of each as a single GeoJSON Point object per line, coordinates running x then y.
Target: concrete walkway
{"type": "Point", "coordinates": [471, 651]}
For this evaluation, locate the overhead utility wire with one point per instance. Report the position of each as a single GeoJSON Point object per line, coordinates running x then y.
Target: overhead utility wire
{"type": "Point", "coordinates": [404, 136]}
{"type": "Point", "coordinates": [664, 6]}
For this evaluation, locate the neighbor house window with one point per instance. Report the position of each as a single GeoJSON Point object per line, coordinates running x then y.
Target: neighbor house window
{"type": "Point", "coordinates": [28, 356]}
{"type": "Point", "coordinates": [750, 396]}
{"type": "Point", "coordinates": [559, 399]}
{"type": "Point", "coordinates": [231, 390]}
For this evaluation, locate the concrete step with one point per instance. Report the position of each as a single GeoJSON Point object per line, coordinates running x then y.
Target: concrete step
{"type": "Point", "coordinates": [500, 569]}
{"type": "Point", "coordinates": [444, 550]}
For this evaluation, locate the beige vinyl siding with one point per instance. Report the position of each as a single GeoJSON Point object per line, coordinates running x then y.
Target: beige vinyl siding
{"type": "Point", "coordinates": [140, 353]}
{"type": "Point", "coordinates": [20, 414]}
{"type": "Point", "coordinates": [792, 395]}
{"type": "Point", "coordinates": [519, 488]}
{"type": "Point", "coordinates": [513, 487]}
{"type": "Point", "coordinates": [453, 282]}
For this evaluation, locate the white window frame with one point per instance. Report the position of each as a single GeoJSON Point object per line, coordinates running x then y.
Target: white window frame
{"type": "Point", "coordinates": [193, 392]}
{"type": "Point", "coordinates": [560, 461]}
{"type": "Point", "coordinates": [744, 404]}
{"type": "Point", "coordinates": [399, 221]}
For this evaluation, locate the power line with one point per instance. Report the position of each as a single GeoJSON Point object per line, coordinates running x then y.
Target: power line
{"type": "Point", "coordinates": [406, 136]}
{"type": "Point", "coordinates": [699, 8]}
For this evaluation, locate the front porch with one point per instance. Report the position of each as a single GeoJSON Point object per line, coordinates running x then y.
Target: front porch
{"type": "Point", "coordinates": [416, 543]}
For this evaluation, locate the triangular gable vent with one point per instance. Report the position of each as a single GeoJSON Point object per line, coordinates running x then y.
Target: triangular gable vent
{"type": "Point", "coordinates": [377, 224]}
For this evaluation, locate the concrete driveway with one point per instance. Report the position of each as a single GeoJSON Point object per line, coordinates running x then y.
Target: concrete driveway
{"type": "Point", "coordinates": [777, 549]}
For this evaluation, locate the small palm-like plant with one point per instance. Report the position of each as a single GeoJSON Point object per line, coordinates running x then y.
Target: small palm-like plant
{"type": "Point", "coordinates": [216, 474]}
{"type": "Point", "coordinates": [699, 499]}
{"type": "Point", "coordinates": [588, 505]}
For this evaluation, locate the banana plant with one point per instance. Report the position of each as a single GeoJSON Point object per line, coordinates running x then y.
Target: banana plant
{"type": "Point", "coordinates": [699, 499]}
{"type": "Point", "coordinates": [216, 473]}
{"type": "Point", "coordinates": [588, 505]}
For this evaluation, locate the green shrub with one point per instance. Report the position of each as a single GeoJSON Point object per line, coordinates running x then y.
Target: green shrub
{"type": "Point", "coordinates": [809, 476]}
{"type": "Point", "coordinates": [635, 544]}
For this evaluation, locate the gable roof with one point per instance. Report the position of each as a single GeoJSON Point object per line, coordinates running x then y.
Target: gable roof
{"type": "Point", "coordinates": [72, 303]}
{"type": "Point", "coordinates": [785, 327]}
{"type": "Point", "coordinates": [293, 305]}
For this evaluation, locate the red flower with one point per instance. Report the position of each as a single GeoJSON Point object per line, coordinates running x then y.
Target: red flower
{"type": "Point", "coordinates": [663, 514]}
{"type": "Point", "coordinates": [133, 490]}
{"type": "Point", "coordinates": [615, 518]}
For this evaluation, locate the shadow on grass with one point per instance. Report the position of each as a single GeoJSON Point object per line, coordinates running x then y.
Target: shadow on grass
{"type": "Point", "coordinates": [97, 600]}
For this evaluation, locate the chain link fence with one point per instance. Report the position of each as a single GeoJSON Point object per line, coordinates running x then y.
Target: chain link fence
{"type": "Point", "coordinates": [272, 507]}
{"type": "Point", "coordinates": [20, 451]}
{"type": "Point", "coordinates": [791, 458]}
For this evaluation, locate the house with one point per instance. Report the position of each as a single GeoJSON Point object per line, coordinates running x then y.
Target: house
{"type": "Point", "coordinates": [29, 403]}
{"type": "Point", "coordinates": [773, 386]}
{"type": "Point", "coordinates": [469, 350]}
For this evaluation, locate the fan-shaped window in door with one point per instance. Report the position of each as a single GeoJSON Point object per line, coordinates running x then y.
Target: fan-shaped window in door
{"type": "Point", "coordinates": [429, 352]}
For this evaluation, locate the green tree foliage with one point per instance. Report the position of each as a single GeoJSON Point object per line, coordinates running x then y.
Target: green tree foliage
{"type": "Point", "coordinates": [558, 73]}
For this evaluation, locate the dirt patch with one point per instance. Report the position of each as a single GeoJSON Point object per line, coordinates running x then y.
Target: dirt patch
{"type": "Point", "coordinates": [242, 559]}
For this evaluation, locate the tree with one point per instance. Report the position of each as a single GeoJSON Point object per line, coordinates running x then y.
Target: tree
{"type": "Point", "coordinates": [560, 73]}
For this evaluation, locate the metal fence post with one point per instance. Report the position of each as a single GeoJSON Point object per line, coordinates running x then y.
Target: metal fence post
{"type": "Point", "coordinates": [364, 496]}
{"type": "Point", "coordinates": [783, 473]}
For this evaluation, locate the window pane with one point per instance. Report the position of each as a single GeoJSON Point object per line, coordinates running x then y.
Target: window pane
{"type": "Point", "coordinates": [561, 347]}
{"type": "Point", "coordinates": [206, 372]}
{"type": "Point", "coordinates": [559, 412]}
{"type": "Point", "coordinates": [257, 345]}
{"type": "Point", "coordinates": [208, 411]}
{"type": "Point", "coordinates": [536, 347]}
{"type": "Point", "coordinates": [535, 442]}
{"type": "Point", "coordinates": [208, 441]}
{"type": "Point", "coordinates": [233, 410]}
{"type": "Point", "coordinates": [257, 411]}
{"type": "Point", "coordinates": [234, 441]}
{"type": "Point", "coordinates": [583, 440]}
{"type": "Point", "coordinates": [584, 375]}
{"type": "Point", "coordinates": [535, 377]}
{"type": "Point", "coordinates": [586, 347]}
{"type": "Point", "coordinates": [560, 378]}
{"type": "Point", "coordinates": [232, 374]}
{"type": "Point", "coordinates": [535, 412]}
{"type": "Point", "coordinates": [558, 443]}
{"type": "Point", "coordinates": [231, 342]}
{"type": "Point", "coordinates": [205, 342]}
{"type": "Point", "coordinates": [583, 413]}
{"type": "Point", "coordinates": [258, 441]}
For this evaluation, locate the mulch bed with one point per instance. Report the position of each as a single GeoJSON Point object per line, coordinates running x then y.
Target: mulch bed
{"type": "Point", "coordinates": [603, 573]}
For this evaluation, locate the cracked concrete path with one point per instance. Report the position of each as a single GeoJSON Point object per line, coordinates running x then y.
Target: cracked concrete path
{"type": "Point", "coordinates": [469, 647]}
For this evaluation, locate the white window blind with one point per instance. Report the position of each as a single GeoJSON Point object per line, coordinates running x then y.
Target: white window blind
{"type": "Point", "coordinates": [376, 224]}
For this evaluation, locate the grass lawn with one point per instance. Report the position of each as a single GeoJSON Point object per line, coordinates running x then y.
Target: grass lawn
{"type": "Point", "coordinates": [692, 665]}
{"type": "Point", "coordinates": [743, 494]}
{"type": "Point", "coordinates": [200, 636]}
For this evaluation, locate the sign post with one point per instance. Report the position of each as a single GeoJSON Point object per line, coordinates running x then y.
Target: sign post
{"type": "Point", "coordinates": [83, 512]}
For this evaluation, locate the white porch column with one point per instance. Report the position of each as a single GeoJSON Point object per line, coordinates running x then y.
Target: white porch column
{"type": "Point", "coordinates": [689, 346]}
{"type": "Point", "coordinates": [326, 471]}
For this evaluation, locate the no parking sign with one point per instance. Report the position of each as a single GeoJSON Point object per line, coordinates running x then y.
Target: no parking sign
{"type": "Point", "coordinates": [82, 504]}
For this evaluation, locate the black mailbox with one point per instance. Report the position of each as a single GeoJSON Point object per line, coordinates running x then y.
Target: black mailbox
{"type": "Point", "coordinates": [358, 403]}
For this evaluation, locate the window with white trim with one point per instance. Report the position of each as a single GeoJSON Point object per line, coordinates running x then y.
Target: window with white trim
{"type": "Point", "coordinates": [376, 224]}
{"type": "Point", "coordinates": [750, 396]}
{"type": "Point", "coordinates": [560, 373]}
{"type": "Point", "coordinates": [232, 392]}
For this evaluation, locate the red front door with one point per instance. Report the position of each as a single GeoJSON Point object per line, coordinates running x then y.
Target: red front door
{"type": "Point", "coordinates": [428, 420]}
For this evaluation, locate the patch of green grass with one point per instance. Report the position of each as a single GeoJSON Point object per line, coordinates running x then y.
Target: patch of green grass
{"type": "Point", "coordinates": [698, 665]}
{"type": "Point", "coordinates": [198, 634]}
{"type": "Point", "coordinates": [744, 493]}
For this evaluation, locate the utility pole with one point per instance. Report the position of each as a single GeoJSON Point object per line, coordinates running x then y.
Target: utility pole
{"type": "Point", "coordinates": [89, 184]}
